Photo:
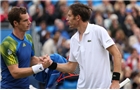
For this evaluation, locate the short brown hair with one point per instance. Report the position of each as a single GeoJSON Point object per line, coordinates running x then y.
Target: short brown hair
{"type": "Point", "coordinates": [14, 14]}
{"type": "Point", "coordinates": [80, 9]}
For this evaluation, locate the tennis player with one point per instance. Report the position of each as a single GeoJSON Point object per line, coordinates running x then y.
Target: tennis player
{"type": "Point", "coordinates": [90, 47]}
{"type": "Point", "coordinates": [17, 53]}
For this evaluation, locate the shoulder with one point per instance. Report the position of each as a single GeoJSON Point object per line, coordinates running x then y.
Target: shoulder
{"type": "Point", "coordinates": [97, 30]}
{"type": "Point", "coordinates": [8, 43]}
{"type": "Point", "coordinates": [28, 37]}
{"type": "Point", "coordinates": [97, 27]}
{"type": "Point", "coordinates": [9, 40]}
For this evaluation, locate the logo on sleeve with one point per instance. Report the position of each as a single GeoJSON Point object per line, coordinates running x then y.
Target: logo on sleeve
{"type": "Point", "coordinates": [9, 52]}
{"type": "Point", "coordinates": [108, 41]}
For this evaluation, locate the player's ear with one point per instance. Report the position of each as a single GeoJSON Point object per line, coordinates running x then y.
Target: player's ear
{"type": "Point", "coordinates": [15, 23]}
{"type": "Point", "coordinates": [78, 17]}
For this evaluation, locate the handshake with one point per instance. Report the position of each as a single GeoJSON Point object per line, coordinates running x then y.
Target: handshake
{"type": "Point", "coordinates": [43, 62]}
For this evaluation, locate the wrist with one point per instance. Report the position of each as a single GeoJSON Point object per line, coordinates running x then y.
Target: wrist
{"type": "Point", "coordinates": [53, 66]}
{"type": "Point", "coordinates": [37, 68]}
{"type": "Point", "coordinates": [115, 81]}
{"type": "Point", "coordinates": [116, 76]}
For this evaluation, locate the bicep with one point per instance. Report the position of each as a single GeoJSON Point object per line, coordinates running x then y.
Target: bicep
{"type": "Point", "coordinates": [8, 53]}
{"type": "Point", "coordinates": [13, 68]}
{"type": "Point", "coordinates": [113, 50]}
{"type": "Point", "coordinates": [104, 38]}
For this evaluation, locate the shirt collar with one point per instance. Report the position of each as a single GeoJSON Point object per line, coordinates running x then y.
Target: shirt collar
{"type": "Point", "coordinates": [86, 31]}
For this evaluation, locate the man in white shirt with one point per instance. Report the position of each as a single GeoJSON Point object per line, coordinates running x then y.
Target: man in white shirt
{"type": "Point", "coordinates": [89, 48]}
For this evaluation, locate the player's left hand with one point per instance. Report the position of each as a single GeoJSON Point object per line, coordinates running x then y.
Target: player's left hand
{"type": "Point", "coordinates": [115, 85]}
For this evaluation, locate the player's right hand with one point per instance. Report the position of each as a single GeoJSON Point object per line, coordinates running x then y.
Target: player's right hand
{"type": "Point", "coordinates": [46, 61]}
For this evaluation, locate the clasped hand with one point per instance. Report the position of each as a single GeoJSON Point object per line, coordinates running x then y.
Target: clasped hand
{"type": "Point", "coordinates": [45, 60]}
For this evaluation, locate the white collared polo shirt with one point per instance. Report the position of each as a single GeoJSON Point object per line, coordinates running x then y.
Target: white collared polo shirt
{"type": "Point", "coordinates": [92, 56]}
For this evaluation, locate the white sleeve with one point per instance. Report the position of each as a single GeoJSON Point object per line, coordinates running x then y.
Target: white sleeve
{"type": "Point", "coordinates": [104, 38]}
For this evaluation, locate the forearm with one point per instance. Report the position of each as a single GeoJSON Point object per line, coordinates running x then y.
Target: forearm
{"type": "Point", "coordinates": [113, 50]}
{"type": "Point", "coordinates": [68, 67]}
{"type": "Point", "coordinates": [17, 72]}
{"type": "Point", "coordinates": [34, 60]}
{"type": "Point", "coordinates": [22, 72]}
{"type": "Point", "coordinates": [116, 72]}
{"type": "Point", "coordinates": [65, 68]}
{"type": "Point", "coordinates": [117, 63]}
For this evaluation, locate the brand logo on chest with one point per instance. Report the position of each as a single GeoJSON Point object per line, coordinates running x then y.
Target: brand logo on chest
{"type": "Point", "coordinates": [88, 40]}
{"type": "Point", "coordinates": [24, 45]}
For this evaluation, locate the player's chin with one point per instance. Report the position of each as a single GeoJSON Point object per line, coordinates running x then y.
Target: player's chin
{"type": "Point", "coordinates": [71, 27]}
{"type": "Point", "coordinates": [28, 28]}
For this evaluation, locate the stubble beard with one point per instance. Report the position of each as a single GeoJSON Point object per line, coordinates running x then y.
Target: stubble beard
{"type": "Point", "coordinates": [70, 27]}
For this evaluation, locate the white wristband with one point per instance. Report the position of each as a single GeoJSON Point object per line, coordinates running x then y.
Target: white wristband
{"type": "Point", "coordinates": [37, 68]}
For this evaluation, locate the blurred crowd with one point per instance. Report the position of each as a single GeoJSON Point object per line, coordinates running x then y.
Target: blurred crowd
{"type": "Point", "coordinates": [120, 18]}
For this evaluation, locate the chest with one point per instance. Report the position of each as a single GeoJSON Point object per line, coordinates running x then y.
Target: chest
{"type": "Point", "coordinates": [24, 51]}
{"type": "Point", "coordinates": [89, 42]}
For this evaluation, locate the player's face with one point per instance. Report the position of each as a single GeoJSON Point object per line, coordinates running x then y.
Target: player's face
{"type": "Point", "coordinates": [71, 20]}
{"type": "Point", "coordinates": [24, 23]}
